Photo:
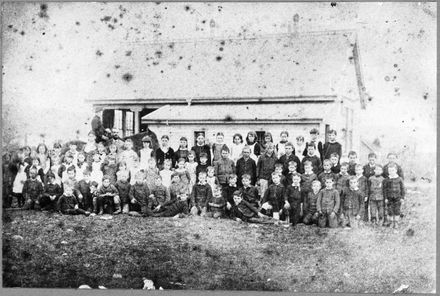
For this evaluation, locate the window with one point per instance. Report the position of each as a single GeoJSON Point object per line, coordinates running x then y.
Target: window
{"type": "Point", "coordinates": [195, 136]}
{"type": "Point", "coordinates": [260, 136]}
{"type": "Point", "coordinates": [129, 128]}
{"type": "Point", "coordinates": [117, 123]}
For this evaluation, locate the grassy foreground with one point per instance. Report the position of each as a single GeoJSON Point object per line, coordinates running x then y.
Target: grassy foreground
{"type": "Point", "coordinates": [57, 251]}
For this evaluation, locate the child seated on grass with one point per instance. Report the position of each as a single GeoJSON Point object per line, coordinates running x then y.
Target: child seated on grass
{"type": "Point", "coordinates": [175, 208]}
{"type": "Point", "coordinates": [328, 205]}
{"type": "Point", "coordinates": [293, 200]}
{"type": "Point", "coordinates": [32, 191]}
{"type": "Point", "coordinates": [352, 203]}
{"type": "Point", "coordinates": [123, 187]}
{"type": "Point", "coordinates": [310, 210]}
{"type": "Point", "coordinates": [217, 204]}
{"type": "Point", "coordinates": [108, 197]}
{"type": "Point", "coordinates": [243, 211]}
{"type": "Point", "coordinates": [394, 193]}
{"type": "Point", "coordinates": [160, 194]}
{"type": "Point", "coordinates": [200, 196]}
{"type": "Point", "coordinates": [68, 204]}
{"type": "Point", "coordinates": [139, 195]}
{"type": "Point", "coordinates": [51, 194]}
{"type": "Point", "coordinates": [273, 198]}
{"type": "Point", "coordinates": [248, 192]}
{"type": "Point", "coordinates": [177, 186]}
{"type": "Point", "coordinates": [376, 201]}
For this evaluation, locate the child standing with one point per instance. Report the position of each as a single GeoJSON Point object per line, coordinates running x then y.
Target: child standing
{"type": "Point", "coordinates": [331, 146]}
{"type": "Point", "coordinates": [307, 178]}
{"type": "Point", "coordinates": [81, 165]}
{"type": "Point", "coordinates": [166, 173]}
{"type": "Point", "coordinates": [146, 152]}
{"type": "Point", "coordinates": [246, 166]}
{"type": "Point", "coordinates": [237, 148]}
{"type": "Point", "coordinates": [394, 193]}
{"type": "Point", "coordinates": [164, 152]}
{"type": "Point", "coordinates": [183, 151]}
{"type": "Point", "coordinates": [370, 167]}
{"type": "Point", "coordinates": [203, 165]}
{"type": "Point", "coordinates": [273, 199]}
{"type": "Point", "coordinates": [310, 210]}
{"type": "Point", "coordinates": [191, 167]}
{"type": "Point", "coordinates": [376, 195]}
{"type": "Point", "coordinates": [299, 147]}
{"type": "Point", "coordinates": [288, 156]}
{"type": "Point", "coordinates": [336, 167]}
{"type": "Point", "coordinates": [312, 157]}
{"type": "Point", "coordinates": [201, 148]}
{"type": "Point", "coordinates": [18, 169]}
{"type": "Point", "coordinates": [267, 139]}
{"type": "Point", "coordinates": [110, 169]}
{"type": "Point", "coordinates": [363, 189]}
{"type": "Point", "coordinates": [218, 147]}
{"type": "Point", "coordinates": [327, 165]}
{"type": "Point", "coordinates": [43, 156]}
{"type": "Point", "coordinates": [254, 146]}
{"type": "Point", "coordinates": [392, 158]}
{"type": "Point", "coordinates": [265, 167]}
{"type": "Point", "coordinates": [293, 200]}
{"type": "Point", "coordinates": [151, 173]}
{"type": "Point", "coordinates": [328, 205]}
{"type": "Point", "coordinates": [314, 134]}
{"type": "Point", "coordinates": [352, 204]}
{"type": "Point", "coordinates": [224, 167]}
{"type": "Point", "coordinates": [352, 162]}
{"type": "Point", "coordinates": [211, 179]}
{"type": "Point", "coordinates": [342, 179]}
{"type": "Point", "coordinates": [200, 196]}
{"type": "Point", "coordinates": [280, 147]}
{"type": "Point", "coordinates": [292, 170]}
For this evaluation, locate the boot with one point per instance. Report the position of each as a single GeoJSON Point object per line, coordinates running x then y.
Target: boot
{"type": "Point", "coordinates": [118, 209]}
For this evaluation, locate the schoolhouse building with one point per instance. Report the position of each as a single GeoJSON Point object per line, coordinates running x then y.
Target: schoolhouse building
{"type": "Point", "coordinates": [293, 81]}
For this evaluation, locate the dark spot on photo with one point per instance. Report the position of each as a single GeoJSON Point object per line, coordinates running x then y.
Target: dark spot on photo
{"type": "Point", "coordinates": [187, 7]}
{"type": "Point", "coordinates": [189, 67]}
{"type": "Point", "coordinates": [254, 61]}
{"type": "Point", "coordinates": [157, 3]}
{"type": "Point", "coordinates": [43, 11]}
{"type": "Point", "coordinates": [121, 15]}
{"type": "Point", "coordinates": [161, 71]}
{"type": "Point", "coordinates": [425, 96]}
{"type": "Point", "coordinates": [155, 63]}
{"type": "Point", "coordinates": [10, 26]}
{"type": "Point", "coordinates": [128, 53]}
{"type": "Point", "coordinates": [180, 57]}
{"type": "Point", "coordinates": [99, 53]}
{"type": "Point", "coordinates": [158, 54]}
{"type": "Point", "coordinates": [111, 26]}
{"type": "Point", "coordinates": [127, 77]}
{"type": "Point", "coordinates": [171, 45]}
{"type": "Point", "coordinates": [106, 18]}
{"type": "Point", "coordinates": [218, 58]}
{"type": "Point", "coordinates": [221, 49]}
{"type": "Point", "coordinates": [15, 30]}
{"type": "Point", "coordinates": [108, 75]}
{"type": "Point", "coordinates": [219, 8]}
{"type": "Point", "coordinates": [333, 4]}
{"type": "Point", "coordinates": [173, 26]}
{"type": "Point", "coordinates": [44, 33]}
{"type": "Point", "coordinates": [228, 118]}
{"type": "Point", "coordinates": [22, 33]}
{"type": "Point", "coordinates": [395, 65]}
{"type": "Point", "coordinates": [77, 23]}
{"type": "Point", "coordinates": [222, 42]}
{"type": "Point", "coordinates": [117, 66]}
{"type": "Point", "coordinates": [387, 78]}
{"type": "Point", "coordinates": [204, 21]}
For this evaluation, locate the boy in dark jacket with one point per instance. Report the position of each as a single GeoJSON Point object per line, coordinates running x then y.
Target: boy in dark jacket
{"type": "Point", "coordinates": [292, 170]}
{"type": "Point", "coordinates": [123, 187]}
{"type": "Point", "coordinates": [327, 172]}
{"type": "Point", "coordinates": [200, 196]}
{"type": "Point", "coordinates": [159, 193]}
{"type": "Point", "coordinates": [217, 204]}
{"type": "Point", "coordinates": [314, 134]}
{"type": "Point", "coordinates": [307, 178]}
{"type": "Point", "coordinates": [331, 146]}
{"type": "Point", "coordinates": [392, 158]}
{"type": "Point", "coordinates": [175, 208]}
{"type": "Point", "coordinates": [248, 192]}
{"type": "Point", "coordinates": [202, 149]}
{"type": "Point", "coordinates": [375, 197]}
{"type": "Point", "coordinates": [265, 167]}
{"type": "Point", "coordinates": [293, 200]}
{"type": "Point", "coordinates": [139, 196]}
{"type": "Point", "coordinates": [110, 169]}
{"type": "Point", "coordinates": [289, 156]}
{"type": "Point", "coordinates": [224, 167]}
{"type": "Point", "coordinates": [336, 166]}
{"type": "Point", "coordinates": [203, 165]}
{"type": "Point", "coordinates": [363, 189]}
{"type": "Point", "coordinates": [246, 165]}
{"type": "Point", "coordinates": [51, 194]}
{"type": "Point", "coordinates": [83, 186]}
{"type": "Point", "coordinates": [108, 195]}
{"type": "Point", "coordinates": [370, 167]}
{"type": "Point", "coordinates": [394, 193]}
{"type": "Point", "coordinates": [352, 162]}
{"type": "Point", "coordinates": [310, 210]}
{"type": "Point", "coordinates": [228, 192]}
{"type": "Point", "coordinates": [32, 191]}
{"type": "Point", "coordinates": [352, 203]}
{"type": "Point", "coordinates": [311, 156]}
{"type": "Point", "coordinates": [328, 205]}
{"type": "Point", "coordinates": [273, 199]}
{"type": "Point", "coordinates": [68, 204]}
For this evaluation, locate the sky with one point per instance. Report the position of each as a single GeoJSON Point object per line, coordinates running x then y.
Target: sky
{"type": "Point", "coordinates": [50, 54]}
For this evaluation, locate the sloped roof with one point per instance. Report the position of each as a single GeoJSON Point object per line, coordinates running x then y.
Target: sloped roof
{"type": "Point", "coordinates": [308, 64]}
{"type": "Point", "coordinates": [236, 113]}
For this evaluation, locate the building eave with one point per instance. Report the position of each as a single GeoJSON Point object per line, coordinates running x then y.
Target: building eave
{"type": "Point", "coordinates": [234, 122]}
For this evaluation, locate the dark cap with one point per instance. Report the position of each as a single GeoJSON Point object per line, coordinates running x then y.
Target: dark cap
{"type": "Point", "coordinates": [314, 131]}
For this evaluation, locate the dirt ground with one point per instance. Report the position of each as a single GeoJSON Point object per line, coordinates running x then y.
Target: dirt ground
{"type": "Point", "coordinates": [50, 250]}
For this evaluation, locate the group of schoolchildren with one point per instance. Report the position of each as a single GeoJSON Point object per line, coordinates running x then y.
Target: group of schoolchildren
{"type": "Point", "coordinates": [285, 183]}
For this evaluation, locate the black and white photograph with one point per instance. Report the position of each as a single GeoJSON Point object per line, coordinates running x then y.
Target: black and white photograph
{"type": "Point", "coordinates": [252, 146]}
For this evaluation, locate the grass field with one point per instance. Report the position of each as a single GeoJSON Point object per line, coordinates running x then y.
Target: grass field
{"type": "Point", "coordinates": [196, 253]}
